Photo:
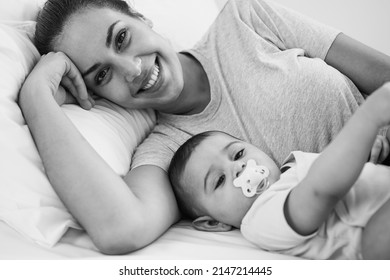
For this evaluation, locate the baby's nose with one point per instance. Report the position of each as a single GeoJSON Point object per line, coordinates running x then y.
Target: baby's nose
{"type": "Point", "coordinates": [240, 168]}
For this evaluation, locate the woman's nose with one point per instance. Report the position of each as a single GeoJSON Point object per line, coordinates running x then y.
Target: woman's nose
{"type": "Point", "coordinates": [132, 68]}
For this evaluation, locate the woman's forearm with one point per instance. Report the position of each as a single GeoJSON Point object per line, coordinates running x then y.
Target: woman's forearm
{"type": "Point", "coordinates": [89, 188]}
{"type": "Point", "coordinates": [366, 67]}
{"type": "Point", "coordinates": [120, 214]}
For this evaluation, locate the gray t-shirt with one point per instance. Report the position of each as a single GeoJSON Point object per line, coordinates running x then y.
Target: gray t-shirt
{"type": "Point", "coordinates": [269, 85]}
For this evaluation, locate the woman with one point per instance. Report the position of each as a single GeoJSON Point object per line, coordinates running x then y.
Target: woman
{"type": "Point", "coordinates": [261, 73]}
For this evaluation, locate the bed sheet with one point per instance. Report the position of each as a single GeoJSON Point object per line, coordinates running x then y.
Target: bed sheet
{"type": "Point", "coordinates": [180, 242]}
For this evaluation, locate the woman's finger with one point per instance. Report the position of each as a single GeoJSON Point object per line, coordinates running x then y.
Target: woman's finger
{"type": "Point", "coordinates": [91, 100]}
{"type": "Point", "coordinates": [67, 83]}
{"type": "Point", "coordinates": [74, 75]}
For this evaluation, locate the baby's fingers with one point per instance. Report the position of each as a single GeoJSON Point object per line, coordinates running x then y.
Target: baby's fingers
{"type": "Point", "coordinates": [385, 149]}
{"type": "Point", "coordinates": [380, 150]}
{"type": "Point", "coordinates": [376, 150]}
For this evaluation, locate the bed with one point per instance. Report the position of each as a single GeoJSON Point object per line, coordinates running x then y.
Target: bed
{"type": "Point", "coordinates": [34, 224]}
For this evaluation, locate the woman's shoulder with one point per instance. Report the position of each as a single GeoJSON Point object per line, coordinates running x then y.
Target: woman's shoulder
{"type": "Point", "coordinates": [243, 5]}
{"type": "Point", "coordinates": [160, 145]}
{"type": "Point", "coordinates": [229, 21]}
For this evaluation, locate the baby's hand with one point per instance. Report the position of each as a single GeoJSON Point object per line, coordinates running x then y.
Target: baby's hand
{"type": "Point", "coordinates": [377, 106]}
{"type": "Point", "coordinates": [380, 150]}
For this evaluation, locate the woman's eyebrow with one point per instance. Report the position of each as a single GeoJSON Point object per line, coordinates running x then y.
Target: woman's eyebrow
{"type": "Point", "coordinates": [109, 34]}
{"type": "Point", "coordinates": [205, 180]}
{"type": "Point", "coordinates": [108, 45]}
{"type": "Point", "coordinates": [91, 69]}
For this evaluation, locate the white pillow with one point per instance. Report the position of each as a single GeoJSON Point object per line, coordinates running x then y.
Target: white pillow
{"type": "Point", "coordinates": [27, 201]}
{"type": "Point", "coordinates": [19, 9]}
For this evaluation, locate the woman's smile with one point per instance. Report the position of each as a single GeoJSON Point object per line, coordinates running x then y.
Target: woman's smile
{"type": "Point", "coordinates": [153, 81]}
{"type": "Point", "coordinates": [152, 78]}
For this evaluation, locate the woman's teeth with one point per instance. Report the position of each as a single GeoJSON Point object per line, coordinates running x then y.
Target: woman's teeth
{"type": "Point", "coordinates": [153, 78]}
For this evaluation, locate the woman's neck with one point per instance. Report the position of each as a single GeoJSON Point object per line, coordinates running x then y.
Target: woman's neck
{"type": "Point", "coordinates": [195, 95]}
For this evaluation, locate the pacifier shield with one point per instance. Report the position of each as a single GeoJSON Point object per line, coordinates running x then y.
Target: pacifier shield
{"type": "Point", "coordinates": [253, 179]}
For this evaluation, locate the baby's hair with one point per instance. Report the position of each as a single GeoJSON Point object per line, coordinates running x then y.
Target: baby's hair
{"type": "Point", "coordinates": [186, 202]}
{"type": "Point", "coordinates": [55, 14]}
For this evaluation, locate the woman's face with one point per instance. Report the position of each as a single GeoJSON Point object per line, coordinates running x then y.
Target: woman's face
{"type": "Point", "coordinates": [122, 59]}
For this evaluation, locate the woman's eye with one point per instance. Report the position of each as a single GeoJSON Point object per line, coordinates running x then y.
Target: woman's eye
{"type": "Point", "coordinates": [239, 155]}
{"type": "Point", "coordinates": [101, 75]}
{"type": "Point", "coordinates": [120, 39]}
{"type": "Point", "coordinates": [220, 181]}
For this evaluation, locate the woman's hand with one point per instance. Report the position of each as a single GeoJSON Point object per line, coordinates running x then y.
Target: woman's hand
{"type": "Point", "coordinates": [57, 73]}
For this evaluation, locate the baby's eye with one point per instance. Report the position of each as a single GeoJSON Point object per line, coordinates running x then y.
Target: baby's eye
{"type": "Point", "coordinates": [220, 181]}
{"type": "Point", "coordinates": [101, 75]}
{"type": "Point", "coordinates": [120, 39]}
{"type": "Point", "coordinates": [239, 155]}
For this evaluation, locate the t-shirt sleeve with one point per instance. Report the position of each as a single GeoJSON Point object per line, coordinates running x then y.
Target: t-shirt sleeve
{"type": "Point", "coordinates": [266, 226]}
{"type": "Point", "coordinates": [288, 29]}
{"type": "Point", "coordinates": [154, 150]}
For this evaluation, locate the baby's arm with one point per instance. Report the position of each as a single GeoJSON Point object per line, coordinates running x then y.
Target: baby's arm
{"type": "Point", "coordinates": [338, 167]}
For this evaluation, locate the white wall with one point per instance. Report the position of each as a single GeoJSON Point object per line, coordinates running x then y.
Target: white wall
{"type": "Point", "coordinates": [365, 20]}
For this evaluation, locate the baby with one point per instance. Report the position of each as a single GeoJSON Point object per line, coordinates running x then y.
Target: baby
{"type": "Point", "coordinates": [332, 205]}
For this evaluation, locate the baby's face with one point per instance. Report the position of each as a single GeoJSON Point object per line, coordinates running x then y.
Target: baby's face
{"type": "Point", "coordinates": [210, 173]}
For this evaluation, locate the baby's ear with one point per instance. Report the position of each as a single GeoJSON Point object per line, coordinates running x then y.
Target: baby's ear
{"type": "Point", "coordinates": [207, 223]}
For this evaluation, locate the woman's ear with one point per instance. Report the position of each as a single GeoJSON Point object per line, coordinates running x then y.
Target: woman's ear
{"type": "Point", "coordinates": [207, 223]}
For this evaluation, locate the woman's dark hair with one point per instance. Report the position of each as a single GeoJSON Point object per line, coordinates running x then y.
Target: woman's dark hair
{"type": "Point", "coordinates": [55, 14]}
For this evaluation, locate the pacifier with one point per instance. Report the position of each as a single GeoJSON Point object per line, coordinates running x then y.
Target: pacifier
{"type": "Point", "coordinates": [253, 180]}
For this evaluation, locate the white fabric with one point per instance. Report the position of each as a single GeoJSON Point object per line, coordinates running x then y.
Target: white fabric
{"type": "Point", "coordinates": [112, 130]}
{"type": "Point", "coordinates": [181, 242]}
{"type": "Point", "coordinates": [19, 9]}
{"type": "Point", "coordinates": [340, 235]}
